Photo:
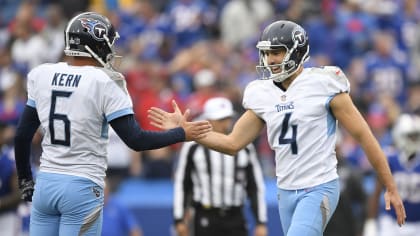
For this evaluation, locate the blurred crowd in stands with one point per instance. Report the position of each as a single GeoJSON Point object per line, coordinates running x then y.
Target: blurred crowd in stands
{"type": "Point", "coordinates": [191, 50]}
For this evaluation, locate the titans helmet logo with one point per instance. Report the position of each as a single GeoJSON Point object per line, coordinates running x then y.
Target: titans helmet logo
{"type": "Point", "coordinates": [94, 27]}
{"type": "Point", "coordinates": [299, 36]}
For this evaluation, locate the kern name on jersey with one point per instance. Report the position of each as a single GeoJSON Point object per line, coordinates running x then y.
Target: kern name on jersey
{"type": "Point", "coordinates": [74, 105]}
{"type": "Point", "coordinates": [300, 125]}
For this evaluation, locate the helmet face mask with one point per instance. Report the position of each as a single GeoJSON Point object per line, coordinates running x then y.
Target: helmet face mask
{"type": "Point", "coordinates": [91, 35]}
{"type": "Point", "coordinates": [282, 35]}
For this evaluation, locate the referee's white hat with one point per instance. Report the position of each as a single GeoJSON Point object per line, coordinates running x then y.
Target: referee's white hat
{"type": "Point", "coordinates": [217, 108]}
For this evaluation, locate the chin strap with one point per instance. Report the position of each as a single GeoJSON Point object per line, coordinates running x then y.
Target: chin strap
{"type": "Point", "coordinates": [94, 55]}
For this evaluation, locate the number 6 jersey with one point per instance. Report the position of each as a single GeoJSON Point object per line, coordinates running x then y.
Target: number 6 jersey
{"type": "Point", "coordinates": [74, 105]}
{"type": "Point", "coordinates": [300, 126]}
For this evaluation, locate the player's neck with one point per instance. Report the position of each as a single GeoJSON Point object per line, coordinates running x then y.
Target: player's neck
{"type": "Point", "coordinates": [286, 83]}
{"type": "Point", "coordinates": [82, 61]}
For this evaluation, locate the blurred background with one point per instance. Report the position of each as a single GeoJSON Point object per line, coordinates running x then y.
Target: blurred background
{"type": "Point", "coordinates": [191, 50]}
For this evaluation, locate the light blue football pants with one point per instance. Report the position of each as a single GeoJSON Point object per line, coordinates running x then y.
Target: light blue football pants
{"type": "Point", "coordinates": [306, 212]}
{"type": "Point", "coordinates": [66, 205]}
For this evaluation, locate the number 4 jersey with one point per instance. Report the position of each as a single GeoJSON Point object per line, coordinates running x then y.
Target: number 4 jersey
{"type": "Point", "coordinates": [74, 105]}
{"type": "Point", "coordinates": [300, 125]}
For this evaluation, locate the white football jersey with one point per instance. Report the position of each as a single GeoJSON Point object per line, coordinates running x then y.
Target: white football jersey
{"type": "Point", "coordinates": [74, 105]}
{"type": "Point", "coordinates": [300, 126]}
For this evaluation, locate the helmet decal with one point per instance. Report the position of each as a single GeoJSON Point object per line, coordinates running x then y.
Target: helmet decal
{"type": "Point", "coordinates": [298, 35]}
{"type": "Point", "coordinates": [94, 27]}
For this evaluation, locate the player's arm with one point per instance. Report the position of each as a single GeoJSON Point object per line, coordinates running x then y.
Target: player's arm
{"type": "Point", "coordinates": [246, 130]}
{"type": "Point", "coordinates": [27, 126]}
{"type": "Point", "coordinates": [351, 119]}
{"type": "Point", "coordinates": [139, 139]}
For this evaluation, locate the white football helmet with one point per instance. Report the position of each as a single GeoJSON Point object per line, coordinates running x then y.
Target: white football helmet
{"type": "Point", "coordinates": [406, 133]}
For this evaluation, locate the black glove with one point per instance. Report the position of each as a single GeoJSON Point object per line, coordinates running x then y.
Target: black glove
{"type": "Point", "coordinates": [26, 187]}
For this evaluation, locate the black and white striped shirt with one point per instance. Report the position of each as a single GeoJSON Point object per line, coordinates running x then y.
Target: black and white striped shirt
{"type": "Point", "coordinates": [217, 180]}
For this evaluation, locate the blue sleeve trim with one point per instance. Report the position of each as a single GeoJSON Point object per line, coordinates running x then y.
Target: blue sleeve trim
{"type": "Point", "coordinates": [331, 121]}
{"type": "Point", "coordinates": [327, 103]}
{"type": "Point", "coordinates": [116, 114]}
{"type": "Point", "coordinates": [31, 103]}
{"type": "Point", "coordinates": [104, 129]}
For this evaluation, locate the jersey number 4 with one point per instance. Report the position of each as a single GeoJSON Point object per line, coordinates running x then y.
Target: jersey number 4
{"type": "Point", "coordinates": [59, 117]}
{"type": "Point", "coordinates": [284, 129]}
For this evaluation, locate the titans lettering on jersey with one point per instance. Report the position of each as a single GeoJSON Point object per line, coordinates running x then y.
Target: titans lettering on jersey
{"type": "Point", "coordinates": [285, 106]}
{"type": "Point", "coordinates": [67, 80]}
{"type": "Point", "coordinates": [300, 126]}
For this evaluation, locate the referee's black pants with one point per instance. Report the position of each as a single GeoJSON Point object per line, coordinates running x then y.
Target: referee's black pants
{"type": "Point", "coordinates": [219, 222]}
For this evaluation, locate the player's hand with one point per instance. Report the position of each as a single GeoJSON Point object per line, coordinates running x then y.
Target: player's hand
{"type": "Point", "coordinates": [196, 130]}
{"type": "Point", "coordinates": [164, 120]}
{"type": "Point", "coordinates": [394, 199]}
{"type": "Point", "coordinates": [260, 230]}
{"type": "Point", "coordinates": [26, 187]}
{"type": "Point", "coordinates": [181, 229]}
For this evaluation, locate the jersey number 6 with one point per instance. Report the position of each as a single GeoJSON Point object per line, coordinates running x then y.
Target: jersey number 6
{"type": "Point", "coordinates": [59, 117]}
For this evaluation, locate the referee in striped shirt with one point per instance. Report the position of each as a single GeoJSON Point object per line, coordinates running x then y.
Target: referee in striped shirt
{"type": "Point", "coordinates": [216, 185]}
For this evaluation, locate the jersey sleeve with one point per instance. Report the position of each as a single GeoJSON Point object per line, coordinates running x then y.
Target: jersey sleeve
{"type": "Point", "coordinates": [245, 100]}
{"type": "Point", "coordinates": [31, 87]}
{"type": "Point", "coordinates": [116, 100]}
{"type": "Point", "coordinates": [251, 97]}
{"type": "Point", "coordinates": [337, 81]}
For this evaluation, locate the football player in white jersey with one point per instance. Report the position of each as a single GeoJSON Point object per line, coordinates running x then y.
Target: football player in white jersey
{"type": "Point", "coordinates": [300, 107]}
{"type": "Point", "coordinates": [405, 166]}
{"type": "Point", "coordinates": [73, 103]}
